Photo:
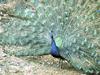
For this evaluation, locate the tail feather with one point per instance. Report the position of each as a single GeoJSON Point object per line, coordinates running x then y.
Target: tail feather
{"type": "Point", "coordinates": [75, 21]}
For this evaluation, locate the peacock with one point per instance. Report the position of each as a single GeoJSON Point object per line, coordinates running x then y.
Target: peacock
{"type": "Point", "coordinates": [66, 29]}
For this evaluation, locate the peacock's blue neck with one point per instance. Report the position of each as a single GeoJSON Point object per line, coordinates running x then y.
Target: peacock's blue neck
{"type": "Point", "coordinates": [54, 49]}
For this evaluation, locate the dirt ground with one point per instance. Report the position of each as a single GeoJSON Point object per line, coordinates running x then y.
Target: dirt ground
{"type": "Point", "coordinates": [41, 65]}
{"type": "Point", "coordinates": [47, 65]}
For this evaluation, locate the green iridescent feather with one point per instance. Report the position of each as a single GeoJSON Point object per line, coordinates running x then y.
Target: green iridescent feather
{"type": "Point", "coordinates": [75, 22]}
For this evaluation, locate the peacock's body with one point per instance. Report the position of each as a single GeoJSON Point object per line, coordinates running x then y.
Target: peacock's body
{"type": "Point", "coordinates": [75, 22]}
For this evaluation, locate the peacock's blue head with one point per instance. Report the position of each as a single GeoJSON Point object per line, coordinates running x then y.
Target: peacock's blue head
{"type": "Point", "coordinates": [51, 35]}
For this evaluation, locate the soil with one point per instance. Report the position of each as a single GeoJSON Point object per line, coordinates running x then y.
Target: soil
{"type": "Point", "coordinates": [40, 65]}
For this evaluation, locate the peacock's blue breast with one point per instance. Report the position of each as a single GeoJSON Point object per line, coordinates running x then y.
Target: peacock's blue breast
{"type": "Point", "coordinates": [54, 49]}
